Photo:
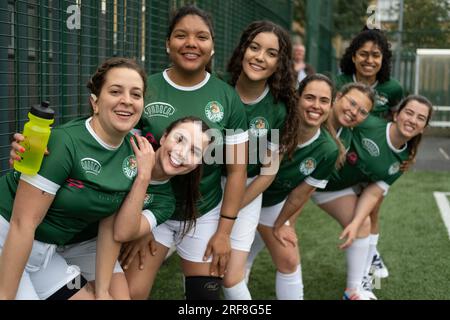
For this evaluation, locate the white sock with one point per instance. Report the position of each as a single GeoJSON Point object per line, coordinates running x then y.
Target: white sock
{"type": "Point", "coordinates": [238, 292]}
{"type": "Point", "coordinates": [289, 286]}
{"type": "Point", "coordinates": [257, 246]}
{"type": "Point", "coordinates": [356, 262]}
{"type": "Point", "coordinates": [373, 241]}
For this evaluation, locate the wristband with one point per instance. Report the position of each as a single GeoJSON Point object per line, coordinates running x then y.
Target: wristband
{"type": "Point", "coordinates": [229, 218]}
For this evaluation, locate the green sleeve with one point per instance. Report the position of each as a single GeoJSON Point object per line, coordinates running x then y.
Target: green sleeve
{"type": "Point", "coordinates": [57, 166]}
{"type": "Point", "coordinates": [326, 165]}
{"type": "Point", "coordinates": [161, 202]}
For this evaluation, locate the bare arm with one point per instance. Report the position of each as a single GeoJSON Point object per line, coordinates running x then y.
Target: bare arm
{"type": "Point", "coordinates": [128, 220]}
{"type": "Point", "coordinates": [106, 257]}
{"type": "Point", "coordinates": [219, 244]}
{"type": "Point", "coordinates": [294, 203]}
{"type": "Point", "coordinates": [30, 207]}
{"type": "Point", "coordinates": [367, 201]}
{"type": "Point", "coordinates": [264, 180]}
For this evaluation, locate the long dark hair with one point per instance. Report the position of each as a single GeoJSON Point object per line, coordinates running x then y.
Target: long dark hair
{"type": "Point", "coordinates": [377, 37]}
{"type": "Point", "coordinates": [413, 144]}
{"type": "Point", "coordinates": [327, 123]}
{"type": "Point", "coordinates": [190, 9]}
{"type": "Point", "coordinates": [281, 83]}
{"type": "Point", "coordinates": [190, 193]}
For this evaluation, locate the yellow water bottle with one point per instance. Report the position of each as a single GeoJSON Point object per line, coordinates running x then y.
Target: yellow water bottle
{"type": "Point", "coordinates": [36, 132]}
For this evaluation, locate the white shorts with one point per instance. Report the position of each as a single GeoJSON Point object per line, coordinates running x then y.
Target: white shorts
{"type": "Point", "coordinates": [192, 245]}
{"type": "Point", "coordinates": [270, 214]}
{"type": "Point", "coordinates": [49, 268]}
{"type": "Point", "coordinates": [327, 196]}
{"type": "Point", "coordinates": [244, 228]}
{"type": "Point", "coordinates": [83, 255]}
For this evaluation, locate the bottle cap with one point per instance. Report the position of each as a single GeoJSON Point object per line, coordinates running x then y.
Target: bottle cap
{"type": "Point", "coordinates": [43, 110]}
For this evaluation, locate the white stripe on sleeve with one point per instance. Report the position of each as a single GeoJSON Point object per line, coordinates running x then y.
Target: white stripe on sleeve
{"type": "Point", "coordinates": [150, 218]}
{"type": "Point", "coordinates": [41, 183]}
{"type": "Point", "coordinates": [321, 184]}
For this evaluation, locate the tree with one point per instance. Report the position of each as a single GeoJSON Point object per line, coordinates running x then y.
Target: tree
{"type": "Point", "coordinates": [350, 16]}
{"type": "Point", "coordinates": [426, 24]}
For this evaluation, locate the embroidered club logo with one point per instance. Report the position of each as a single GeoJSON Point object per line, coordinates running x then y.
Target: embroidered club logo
{"type": "Point", "coordinates": [308, 166]}
{"type": "Point", "coordinates": [148, 199]}
{"type": "Point", "coordinates": [371, 147]}
{"type": "Point", "coordinates": [380, 100]}
{"type": "Point", "coordinates": [214, 111]}
{"type": "Point", "coordinates": [91, 166]}
{"type": "Point", "coordinates": [159, 109]}
{"type": "Point", "coordinates": [394, 168]}
{"type": "Point", "coordinates": [129, 167]}
{"type": "Point", "coordinates": [259, 127]}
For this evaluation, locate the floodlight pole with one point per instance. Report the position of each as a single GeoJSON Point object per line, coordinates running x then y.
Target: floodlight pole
{"type": "Point", "coordinates": [399, 39]}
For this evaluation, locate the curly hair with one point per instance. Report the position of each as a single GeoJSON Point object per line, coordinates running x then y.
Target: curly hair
{"type": "Point", "coordinates": [377, 37]}
{"type": "Point", "coordinates": [281, 83]}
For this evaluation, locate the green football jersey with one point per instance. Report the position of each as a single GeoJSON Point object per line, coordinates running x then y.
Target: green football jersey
{"type": "Point", "coordinates": [312, 162]}
{"type": "Point", "coordinates": [213, 101]}
{"type": "Point", "coordinates": [89, 179]}
{"type": "Point", "coordinates": [263, 115]}
{"type": "Point", "coordinates": [345, 136]}
{"type": "Point", "coordinates": [159, 203]}
{"type": "Point", "coordinates": [371, 157]}
{"type": "Point", "coordinates": [387, 94]}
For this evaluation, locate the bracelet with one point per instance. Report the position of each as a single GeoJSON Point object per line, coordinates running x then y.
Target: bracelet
{"type": "Point", "coordinates": [229, 218]}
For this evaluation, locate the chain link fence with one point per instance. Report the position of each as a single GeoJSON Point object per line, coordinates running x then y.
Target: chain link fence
{"type": "Point", "coordinates": [49, 48]}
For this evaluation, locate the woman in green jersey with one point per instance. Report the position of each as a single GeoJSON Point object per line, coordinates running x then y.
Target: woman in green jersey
{"type": "Point", "coordinates": [312, 162]}
{"type": "Point", "coordinates": [368, 60]}
{"type": "Point", "coordinates": [92, 167]}
{"type": "Point", "coordinates": [187, 88]}
{"type": "Point", "coordinates": [262, 73]}
{"type": "Point", "coordinates": [376, 152]}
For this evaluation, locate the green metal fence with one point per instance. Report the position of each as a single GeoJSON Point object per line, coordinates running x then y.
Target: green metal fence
{"type": "Point", "coordinates": [48, 50]}
{"type": "Point", "coordinates": [320, 32]}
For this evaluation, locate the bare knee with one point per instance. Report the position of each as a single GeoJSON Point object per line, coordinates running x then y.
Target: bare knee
{"type": "Point", "coordinates": [232, 279]}
{"type": "Point", "coordinates": [288, 263]}
{"type": "Point", "coordinates": [139, 291]}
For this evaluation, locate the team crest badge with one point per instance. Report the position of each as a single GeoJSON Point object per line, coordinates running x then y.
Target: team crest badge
{"type": "Point", "coordinates": [394, 168]}
{"type": "Point", "coordinates": [307, 166]}
{"type": "Point", "coordinates": [214, 111]}
{"type": "Point", "coordinates": [259, 127]}
{"type": "Point", "coordinates": [129, 167]}
{"type": "Point", "coordinates": [371, 147]}
{"type": "Point", "coordinates": [148, 199]}
{"type": "Point", "coordinates": [91, 166]}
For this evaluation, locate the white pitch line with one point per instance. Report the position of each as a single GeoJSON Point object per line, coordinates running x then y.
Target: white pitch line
{"type": "Point", "coordinates": [444, 208]}
{"type": "Point", "coordinates": [442, 151]}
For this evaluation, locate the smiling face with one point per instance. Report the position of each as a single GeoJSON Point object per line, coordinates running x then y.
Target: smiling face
{"type": "Point", "coordinates": [412, 119]}
{"type": "Point", "coordinates": [368, 60]}
{"type": "Point", "coordinates": [190, 44]}
{"type": "Point", "coordinates": [315, 103]}
{"type": "Point", "coordinates": [119, 105]}
{"type": "Point", "coordinates": [182, 149]}
{"type": "Point", "coordinates": [352, 108]}
{"type": "Point", "coordinates": [261, 57]}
